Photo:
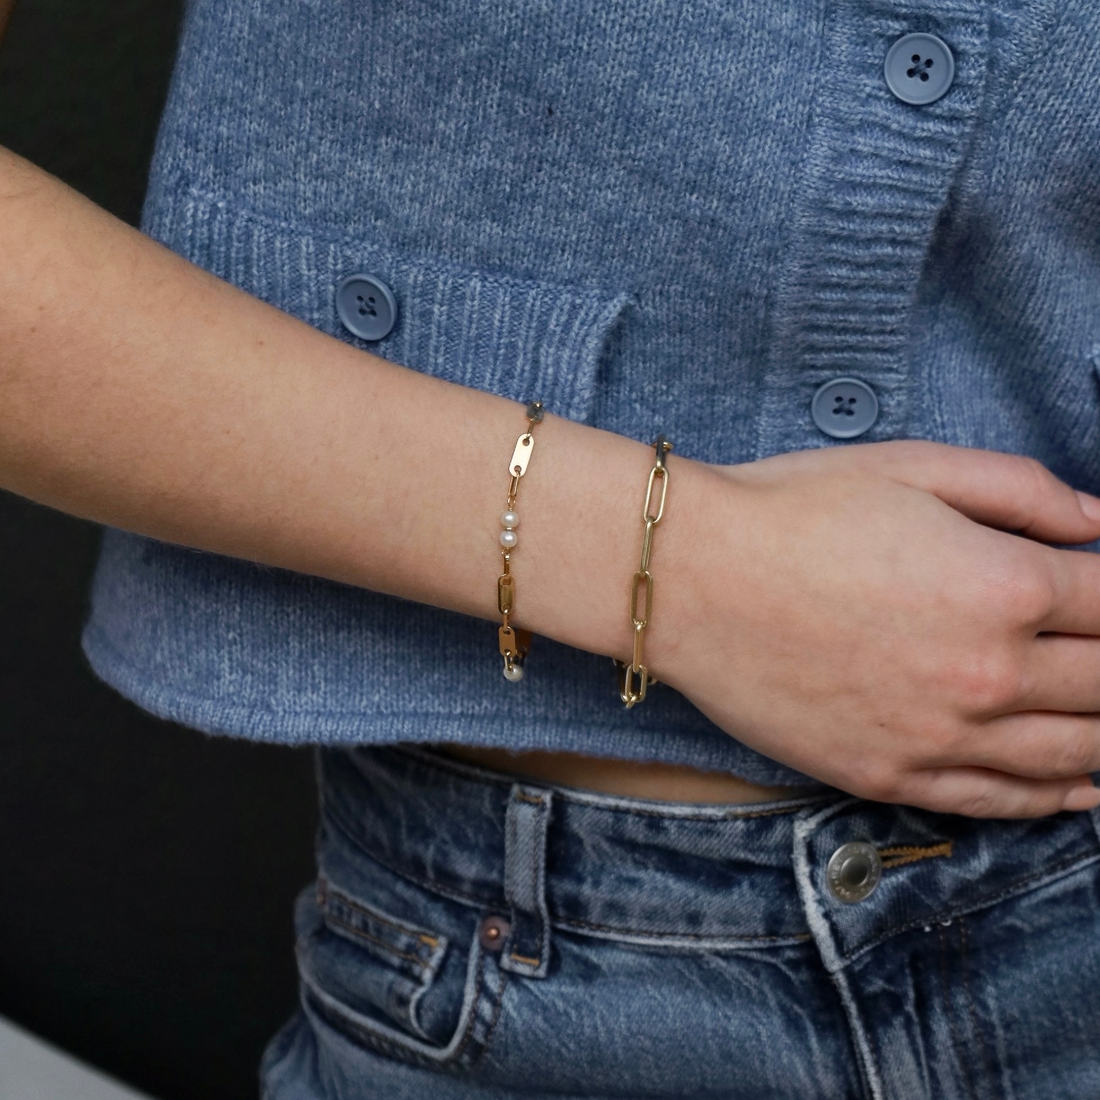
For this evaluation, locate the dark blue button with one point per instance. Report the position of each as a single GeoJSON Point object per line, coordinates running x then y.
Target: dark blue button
{"type": "Point", "coordinates": [366, 306]}
{"type": "Point", "coordinates": [844, 408]}
{"type": "Point", "coordinates": [919, 68]}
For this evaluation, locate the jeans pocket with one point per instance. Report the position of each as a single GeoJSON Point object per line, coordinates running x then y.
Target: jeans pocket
{"type": "Point", "coordinates": [401, 988]}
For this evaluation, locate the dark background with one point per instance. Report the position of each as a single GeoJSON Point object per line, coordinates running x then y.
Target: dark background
{"type": "Point", "coordinates": [147, 872]}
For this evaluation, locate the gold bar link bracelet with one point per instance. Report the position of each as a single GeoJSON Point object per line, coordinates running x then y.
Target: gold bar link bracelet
{"type": "Point", "coordinates": [514, 644]}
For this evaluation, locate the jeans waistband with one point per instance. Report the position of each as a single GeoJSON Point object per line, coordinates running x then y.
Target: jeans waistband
{"type": "Point", "coordinates": [679, 875]}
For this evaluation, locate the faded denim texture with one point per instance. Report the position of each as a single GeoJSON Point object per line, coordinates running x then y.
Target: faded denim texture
{"type": "Point", "coordinates": [690, 951]}
{"type": "Point", "coordinates": [680, 216]}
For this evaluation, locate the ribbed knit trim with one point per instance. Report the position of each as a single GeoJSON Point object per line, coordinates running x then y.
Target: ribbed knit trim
{"type": "Point", "coordinates": [220, 714]}
{"type": "Point", "coordinates": [517, 338]}
{"type": "Point", "coordinates": [876, 176]}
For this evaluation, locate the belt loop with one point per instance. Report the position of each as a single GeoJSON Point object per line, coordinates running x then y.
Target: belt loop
{"type": "Point", "coordinates": [527, 949]}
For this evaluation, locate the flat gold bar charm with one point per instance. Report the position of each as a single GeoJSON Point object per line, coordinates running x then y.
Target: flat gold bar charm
{"type": "Point", "coordinates": [521, 455]}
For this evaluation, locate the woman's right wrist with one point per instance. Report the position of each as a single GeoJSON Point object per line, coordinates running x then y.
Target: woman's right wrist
{"type": "Point", "coordinates": [582, 538]}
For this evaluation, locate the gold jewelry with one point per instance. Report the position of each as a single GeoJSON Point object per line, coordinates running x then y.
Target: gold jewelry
{"type": "Point", "coordinates": [514, 644]}
{"type": "Point", "coordinates": [636, 667]}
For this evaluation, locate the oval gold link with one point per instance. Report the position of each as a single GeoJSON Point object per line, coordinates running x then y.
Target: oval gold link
{"type": "Point", "coordinates": [521, 455]}
{"type": "Point", "coordinates": [626, 687]}
{"type": "Point", "coordinates": [662, 472]}
{"type": "Point", "coordinates": [627, 692]}
{"type": "Point", "coordinates": [636, 580]}
{"type": "Point", "coordinates": [506, 637]}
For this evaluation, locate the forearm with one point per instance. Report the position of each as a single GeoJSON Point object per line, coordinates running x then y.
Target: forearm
{"type": "Point", "coordinates": [141, 392]}
{"type": "Point", "coordinates": [846, 611]}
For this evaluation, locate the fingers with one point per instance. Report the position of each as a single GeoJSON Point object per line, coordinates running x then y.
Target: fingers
{"type": "Point", "coordinates": [999, 490]}
{"type": "Point", "coordinates": [1075, 608]}
{"type": "Point", "coordinates": [1062, 674]}
{"type": "Point", "coordinates": [977, 792]}
{"type": "Point", "coordinates": [1034, 745]}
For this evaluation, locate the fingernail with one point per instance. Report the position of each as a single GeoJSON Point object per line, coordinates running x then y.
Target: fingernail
{"type": "Point", "coordinates": [1090, 505]}
{"type": "Point", "coordinates": [1082, 798]}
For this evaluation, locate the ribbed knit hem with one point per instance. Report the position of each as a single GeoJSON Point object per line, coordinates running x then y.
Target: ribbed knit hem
{"type": "Point", "coordinates": [219, 715]}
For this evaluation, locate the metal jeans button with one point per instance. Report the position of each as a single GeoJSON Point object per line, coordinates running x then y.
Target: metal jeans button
{"type": "Point", "coordinates": [492, 933]}
{"type": "Point", "coordinates": [853, 872]}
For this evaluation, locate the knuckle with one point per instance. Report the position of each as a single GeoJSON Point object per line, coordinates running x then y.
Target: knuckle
{"type": "Point", "coordinates": [1034, 593]}
{"type": "Point", "coordinates": [1032, 484]}
{"type": "Point", "coordinates": [941, 741]}
{"type": "Point", "coordinates": [907, 451]}
{"type": "Point", "coordinates": [1035, 480]}
{"type": "Point", "coordinates": [1021, 589]}
{"type": "Point", "coordinates": [986, 683]}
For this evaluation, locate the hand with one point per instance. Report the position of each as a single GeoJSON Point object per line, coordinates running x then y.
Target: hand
{"type": "Point", "coordinates": [864, 615]}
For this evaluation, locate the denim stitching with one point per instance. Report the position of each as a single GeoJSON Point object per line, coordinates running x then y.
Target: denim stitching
{"type": "Point", "coordinates": [563, 922]}
{"type": "Point", "coordinates": [373, 1040]}
{"type": "Point", "coordinates": [360, 934]}
{"type": "Point", "coordinates": [502, 976]}
{"type": "Point", "coordinates": [555, 922]}
{"type": "Point", "coordinates": [444, 891]}
{"type": "Point", "coordinates": [1051, 874]}
{"type": "Point", "coordinates": [325, 885]}
{"type": "Point", "coordinates": [376, 1040]}
{"type": "Point", "coordinates": [524, 959]}
{"type": "Point", "coordinates": [475, 1004]}
{"type": "Point", "coordinates": [979, 1036]}
{"type": "Point", "coordinates": [902, 857]}
{"type": "Point", "coordinates": [949, 1007]}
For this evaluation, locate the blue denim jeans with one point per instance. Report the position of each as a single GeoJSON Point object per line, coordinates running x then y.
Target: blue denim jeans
{"type": "Point", "coordinates": [470, 936]}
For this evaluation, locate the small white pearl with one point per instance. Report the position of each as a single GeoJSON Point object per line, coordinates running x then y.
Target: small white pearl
{"type": "Point", "coordinates": [508, 539]}
{"type": "Point", "coordinates": [514, 674]}
{"type": "Point", "coordinates": [509, 519]}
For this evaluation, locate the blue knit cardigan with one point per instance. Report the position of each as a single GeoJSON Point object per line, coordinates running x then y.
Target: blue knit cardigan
{"type": "Point", "coordinates": [678, 215]}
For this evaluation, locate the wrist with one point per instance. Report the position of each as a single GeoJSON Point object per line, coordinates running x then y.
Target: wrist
{"type": "Point", "coordinates": [583, 540]}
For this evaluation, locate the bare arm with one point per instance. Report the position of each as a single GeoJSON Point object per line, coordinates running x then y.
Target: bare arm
{"type": "Point", "coordinates": [851, 612]}
{"type": "Point", "coordinates": [139, 391]}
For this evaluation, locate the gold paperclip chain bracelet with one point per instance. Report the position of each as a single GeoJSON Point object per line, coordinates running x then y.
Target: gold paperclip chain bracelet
{"type": "Point", "coordinates": [630, 694]}
{"type": "Point", "coordinates": [514, 644]}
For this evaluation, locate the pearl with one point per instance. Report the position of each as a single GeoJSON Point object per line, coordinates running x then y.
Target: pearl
{"type": "Point", "coordinates": [514, 674]}
{"type": "Point", "coordinates": [508, 539]}
{"type": "Point", "coordinates": [509, 519]}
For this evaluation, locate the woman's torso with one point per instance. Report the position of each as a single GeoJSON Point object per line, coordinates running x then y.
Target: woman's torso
{"type": "Point", "coordinates": [685, 218]}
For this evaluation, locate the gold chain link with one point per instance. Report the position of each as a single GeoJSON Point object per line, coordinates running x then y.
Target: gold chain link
{"type": "Point", "coordinates": [514, 643]}
{"type": "Point", "coordinates": [635, 668]}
